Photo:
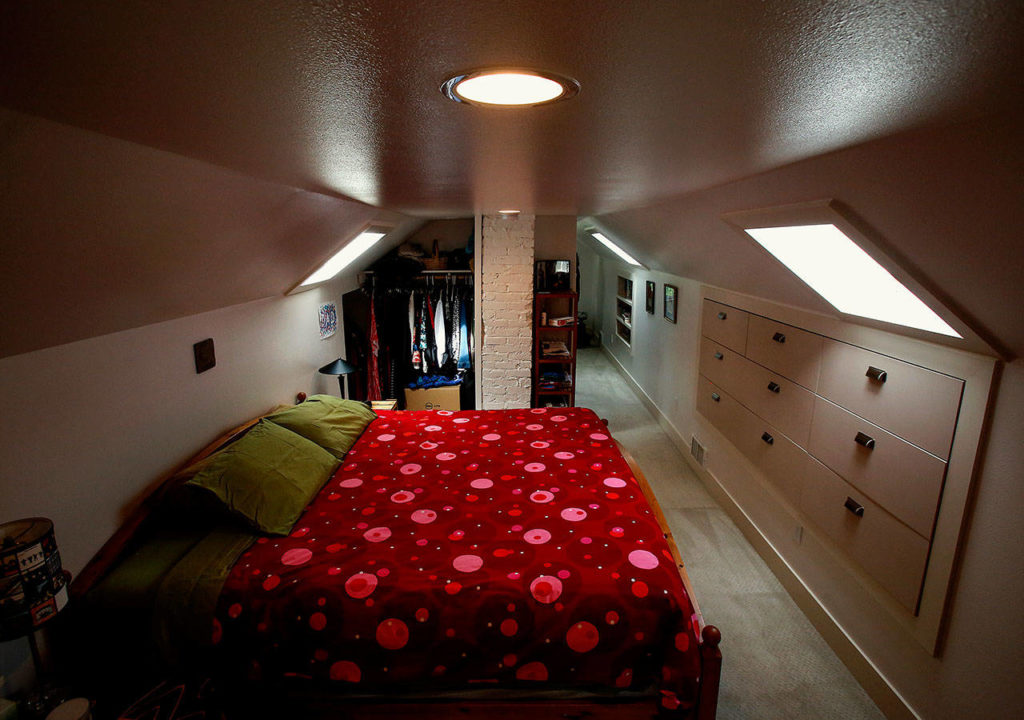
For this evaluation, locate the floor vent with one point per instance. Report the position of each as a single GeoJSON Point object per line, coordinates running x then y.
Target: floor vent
{"type": "Point", "coordinates": [697, 450]}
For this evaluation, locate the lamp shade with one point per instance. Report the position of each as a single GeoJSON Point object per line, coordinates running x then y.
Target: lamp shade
{"type": "Point", "coordinates": [33, 587]}
{"type": "Point", "coordinates": [338, 367]}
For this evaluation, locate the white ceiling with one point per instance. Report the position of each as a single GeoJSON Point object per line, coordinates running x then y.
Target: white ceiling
{"type": "Point", "coordinates": [343, 97]}
{"type": "Point", "coordinates": [160, 159]}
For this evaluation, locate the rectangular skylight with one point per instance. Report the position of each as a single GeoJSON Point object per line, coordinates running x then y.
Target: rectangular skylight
{"type": "Point", "coordinates": [344, 257]}
{"type": "Point", "coordinates": [847, 277]}
{"type": "Point", "coordinates": [615, 248]}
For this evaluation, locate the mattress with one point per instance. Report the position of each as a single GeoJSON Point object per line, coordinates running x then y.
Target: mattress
{"type": "Point", "coordinates": [466, 550]}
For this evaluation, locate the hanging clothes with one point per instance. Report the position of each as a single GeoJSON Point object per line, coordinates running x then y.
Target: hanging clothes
{"type": "Point", "coordinates": [373, 379]}
{"type": "Point", "coordinates": [440, 336]}
{"type": "Point", "coordinates": [464, 361]}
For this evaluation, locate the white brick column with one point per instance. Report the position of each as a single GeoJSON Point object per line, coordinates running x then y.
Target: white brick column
{"type": "Point", "coordinates": [506, 310]}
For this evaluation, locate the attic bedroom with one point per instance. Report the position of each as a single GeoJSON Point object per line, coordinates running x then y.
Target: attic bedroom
{"type": "Point", "coordinates": [551, 409]}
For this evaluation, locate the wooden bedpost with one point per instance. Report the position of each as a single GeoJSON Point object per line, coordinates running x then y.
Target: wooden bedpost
{"type": "Point", "coordinates": [711, 672]}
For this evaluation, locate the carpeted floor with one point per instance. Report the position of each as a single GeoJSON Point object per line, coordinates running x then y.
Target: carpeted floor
{"type": "Point", "coordinates": [776, 666]}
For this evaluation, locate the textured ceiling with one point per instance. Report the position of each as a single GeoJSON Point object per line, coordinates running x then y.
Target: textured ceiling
{"type": "Point", "coordinates": [342, 97]}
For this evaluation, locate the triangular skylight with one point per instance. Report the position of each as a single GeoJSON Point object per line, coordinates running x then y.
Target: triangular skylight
{"type": "Point", "coordinates": [346, 256]}
{"type": "Point", "coordinates": [853, 282]}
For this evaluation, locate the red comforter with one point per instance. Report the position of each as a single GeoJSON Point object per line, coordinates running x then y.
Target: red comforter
{"type": "Point", "coordinates": [503, 548]}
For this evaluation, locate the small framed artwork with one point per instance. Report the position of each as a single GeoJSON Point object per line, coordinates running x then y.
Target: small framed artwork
{"type": "Point", "coordinates": [671, 292]}
{"type": "Point", "coordinates": [328, 317]}
{"type": "Point", "coordinates": [650, 297]}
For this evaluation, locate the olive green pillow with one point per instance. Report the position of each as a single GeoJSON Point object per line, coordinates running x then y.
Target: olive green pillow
{"type": "Point", "coordinates": [332, 423]}
{"type": "Point", "coordinates": [268, 476]}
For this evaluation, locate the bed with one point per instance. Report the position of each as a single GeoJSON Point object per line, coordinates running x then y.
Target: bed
{"type": "Point", "coordinates": [493, 561]}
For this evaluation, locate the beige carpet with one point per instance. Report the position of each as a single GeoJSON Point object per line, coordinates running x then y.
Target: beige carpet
{"type": "Point", "coordinates": [776, 666]}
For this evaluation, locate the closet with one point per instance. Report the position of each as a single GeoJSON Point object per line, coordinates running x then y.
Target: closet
{"type": "Point", "coordinates": [412, 332]}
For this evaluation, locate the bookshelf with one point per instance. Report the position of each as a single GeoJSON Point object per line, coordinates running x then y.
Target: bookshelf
{"type": "Point", "coordinates": [555, 341]}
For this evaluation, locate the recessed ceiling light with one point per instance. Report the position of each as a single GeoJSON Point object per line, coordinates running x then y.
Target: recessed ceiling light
{"type": "Point", "coordinates": [344, 257]}
{"type": "Point", "coordinates": [509, 87]}
{"type": "Point", "coordinates": [615, 249]}
{"type": "Point", "coordinates": [508, 212]}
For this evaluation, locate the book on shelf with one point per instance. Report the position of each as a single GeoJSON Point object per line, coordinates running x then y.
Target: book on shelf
{"type": "Point", "coordinates": [554, 348]}
{"type": "Point", "coordinates": [561, 321]}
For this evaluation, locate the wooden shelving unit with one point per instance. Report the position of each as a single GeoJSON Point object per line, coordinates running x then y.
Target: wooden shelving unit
{"type": "Point", "coordinates": [624, 310]}
{"type": "Point", "coordinates": [554, 349]}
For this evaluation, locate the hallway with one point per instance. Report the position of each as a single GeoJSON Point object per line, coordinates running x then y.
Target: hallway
{"type": "Point", "coordinates": [775, 664]}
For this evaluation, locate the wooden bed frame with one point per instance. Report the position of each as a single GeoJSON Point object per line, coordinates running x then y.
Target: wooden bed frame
{"type": "Point", "coordinates": [597, 709]}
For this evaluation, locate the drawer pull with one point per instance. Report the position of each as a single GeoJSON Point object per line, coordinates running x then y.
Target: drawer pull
{"type": "Point", "coordinates": [865, 440]}
{"type": "Point", "coordinates": [876, 374]}
{"type": "Point", "coordinates": [768, 438]}
{"type": "Point", "coordinates": [718, 355]}
{"type": "Point", "coordinates": [853, 506]}
{"type": "Point", "coordinates": [779, 338]}
{"type": "Point", "coordinates": [716, 397]}
{"type": "Point", "coordinates": [774, 387]}
{"type": "Point", "coordinates": [722, 316]}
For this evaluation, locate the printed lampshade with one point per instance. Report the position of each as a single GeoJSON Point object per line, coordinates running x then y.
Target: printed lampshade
{"type": "Point", "coordinates": [33, 587]}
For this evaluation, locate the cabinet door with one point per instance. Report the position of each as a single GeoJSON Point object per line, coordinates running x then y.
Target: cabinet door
{"type": "Point", "coordinates": [787, 350]}
{"type": "Point", "coordinates": [725, 325]}
{"type": "Point", "coordinates": [901, 477]}
{"type": "Point", "coordinates": [917, 404]}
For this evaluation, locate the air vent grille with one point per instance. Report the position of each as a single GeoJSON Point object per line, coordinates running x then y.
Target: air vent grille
{"type": "Point", "coordinates": [698, 451]}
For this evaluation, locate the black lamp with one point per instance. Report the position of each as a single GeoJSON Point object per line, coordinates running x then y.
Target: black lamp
{"type": "Point", "coordinates": [341, 368]}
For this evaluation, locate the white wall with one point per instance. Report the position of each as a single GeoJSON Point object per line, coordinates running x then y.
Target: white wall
{"type": "Point", "coordinates": [591, 287]}
{"type": "Point", "coordinates": [977, 676]}
{"type": "Point", "coordinates": [91, 424]}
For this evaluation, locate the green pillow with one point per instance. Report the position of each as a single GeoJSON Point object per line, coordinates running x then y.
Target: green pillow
{"type": "Point", "coordinates": [268, 476]}
{"type": "Point", "coordinates": [332, 423]}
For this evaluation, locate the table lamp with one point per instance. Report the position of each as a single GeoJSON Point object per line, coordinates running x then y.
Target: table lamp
{"type": "Point", "coordinates": [33, 585]}
{"type": "Point", "coordinates": [341, 368]}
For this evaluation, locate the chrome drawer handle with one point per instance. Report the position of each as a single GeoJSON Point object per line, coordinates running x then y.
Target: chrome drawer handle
{"type": "Point", "coordinates": [779, 338]}
{"type": "Point", "coordinates": [768, 438]}
{"type": "Point", "coordinates": [774, 387]}
{"type": "Point", "coordinates": [716, 397]}
{"type": "Point", "coordinates": [876, 374]}
{"type": "Point", "coordinates": [722, 316]}
{"type": "Point", "coordinates": [719, 356]}
{"type": "Point", "coordinates": [853, 506]}
{"type": "Point", "coordinates": [865, 440]}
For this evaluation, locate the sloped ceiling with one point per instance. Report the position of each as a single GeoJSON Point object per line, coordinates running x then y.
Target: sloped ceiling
{"type": "Point", "coordinates": [161, 159]}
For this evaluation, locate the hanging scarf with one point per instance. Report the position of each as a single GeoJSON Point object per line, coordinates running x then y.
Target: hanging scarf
{"type": "Point", "coordinates": [373, 379]}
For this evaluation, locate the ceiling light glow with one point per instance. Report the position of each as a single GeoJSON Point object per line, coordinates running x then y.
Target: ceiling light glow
{"type": "Point", "coordinates": [852, 281]}
{"type": "Point", "coordinates": [509, 88]}
{"type": "Point", "coordinates": [615, 248]}
{"type": "Point", "coordinates": [344, 257]}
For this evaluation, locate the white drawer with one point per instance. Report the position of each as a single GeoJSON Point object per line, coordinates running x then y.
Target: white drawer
{"type": "Point", "coordinates": [917, 404]}
{"type": "Point", "coordinates": [899, 476]}
{"type": "Point", "coordinates": [725, 325]}
{"type": "Point", "coordinates": [888, 550]}
{"type": "Point", "coordinates": [719, 364]}
{"type": "Point", "coordinates": [782, 462]}
{"type": "Point", "coordinates": [787, 350]}
{"type": "Point", "coordinates": [781, 402]}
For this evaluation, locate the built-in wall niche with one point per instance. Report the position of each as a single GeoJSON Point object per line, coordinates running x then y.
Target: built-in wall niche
{"type": "Point", "coordinates": [624, 310]}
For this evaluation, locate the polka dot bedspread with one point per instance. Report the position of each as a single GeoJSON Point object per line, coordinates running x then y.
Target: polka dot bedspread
{"type": "Point", "coordinates": [468, 549]}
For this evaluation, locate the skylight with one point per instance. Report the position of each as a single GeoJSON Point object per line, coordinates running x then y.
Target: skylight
{"type": "Point", "coordinates": [344, 257]}
{"type": "Point", "coordinates": [615, 248]}
{"type": "Point", "coordinates": [847, 277]}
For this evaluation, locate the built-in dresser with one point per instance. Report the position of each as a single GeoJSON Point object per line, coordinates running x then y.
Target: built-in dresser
{"type": "Point", "coordinates": [856, 441]}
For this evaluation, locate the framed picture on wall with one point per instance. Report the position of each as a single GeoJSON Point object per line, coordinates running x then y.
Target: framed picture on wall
{"type": "Point", "coordinates": [650, 297]}
{"type": "Point", "coordinates": [671, 293]}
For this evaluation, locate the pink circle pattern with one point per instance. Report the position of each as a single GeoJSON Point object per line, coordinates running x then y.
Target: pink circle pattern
{"type": "Point", "coordinates": [458, 560]}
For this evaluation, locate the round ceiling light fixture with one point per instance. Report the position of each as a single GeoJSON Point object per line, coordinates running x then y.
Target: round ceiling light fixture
{"type": "Point", "coordinates": [506, 87]}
